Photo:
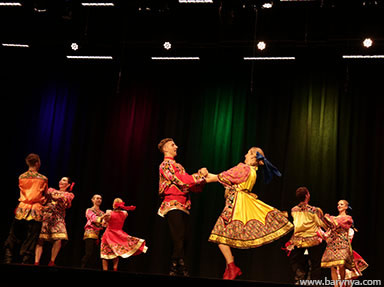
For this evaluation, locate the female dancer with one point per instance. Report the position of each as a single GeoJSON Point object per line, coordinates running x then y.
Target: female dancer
{"type": "Point", "coordinates": [338, 255]}
{"type": "Point", "coordinates": [360, 264]}
{"type": "Point", "coordinates": [245, 222]}
{"type": "Point", "coordinates": [115, 242]}
{"type": "Point", "coordinates": [53, 227]}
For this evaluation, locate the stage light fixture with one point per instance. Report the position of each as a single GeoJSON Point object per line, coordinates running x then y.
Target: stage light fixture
{"type": "Point", "coordinates": [367, 43]}
{"type": "Point", "coordinates": [74, 46]}
{"type": "Point", "coordinates": [167, 45]}
{"type": "Point", "coordinates": [267, 5]}
{"type": "Point", "coordinates": [261, 45]}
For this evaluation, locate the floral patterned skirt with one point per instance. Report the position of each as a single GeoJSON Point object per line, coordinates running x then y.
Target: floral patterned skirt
{"type": "Point", "coordinates": [338, 251]}
{"type": "Point", "coordinates": [53, 228]}
{"type": "Point", "coordinates": [247, 222]}
{"type": "Point", "coordinates": [116, 243]}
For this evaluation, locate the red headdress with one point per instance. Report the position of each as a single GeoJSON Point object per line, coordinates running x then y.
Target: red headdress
{"type": "Point", "coordinates": [122, 206]}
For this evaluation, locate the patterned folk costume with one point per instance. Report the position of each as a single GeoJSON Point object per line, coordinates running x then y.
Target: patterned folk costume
{"type": "Point", "coordinates": [339, 249]}
{"type": "Point", "coordinates": [115, 242]}
{"type": "Point", "coordinates": [33, 187]}
{"type": "Point", "coordinates": [53, 227]}
{"type": "Point", "coordinates": [93, 226]}
{"type": "Point", "coordinates": [28, 216]}
{"type": "Point", "coordinates": [175, 185]}
{"type": "Point", "coordinates": [246, 222]}
{"type": "Point", "coordinates": [360, 264]}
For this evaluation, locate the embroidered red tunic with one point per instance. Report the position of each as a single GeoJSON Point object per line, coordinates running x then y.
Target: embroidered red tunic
{"type": "Point", "coordinates": [175, 185]}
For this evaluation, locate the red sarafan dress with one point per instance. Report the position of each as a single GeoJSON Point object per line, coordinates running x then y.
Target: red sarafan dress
{"type": "Point", "coordinates": [115, 242]}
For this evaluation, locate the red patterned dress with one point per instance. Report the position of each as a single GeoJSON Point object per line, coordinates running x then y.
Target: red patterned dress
{"type": "Point", "coordinates": [246, 222]}
{"type": "Point", "coordinates": [115, 242]}
{"type": "Point", "coordinates": [53, 227]}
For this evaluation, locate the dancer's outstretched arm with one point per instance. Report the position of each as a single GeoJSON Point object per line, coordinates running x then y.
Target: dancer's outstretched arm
{"type": "Point", "coordinates": [211, 178]}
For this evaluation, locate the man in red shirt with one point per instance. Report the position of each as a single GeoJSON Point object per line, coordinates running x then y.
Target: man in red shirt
{"type": "Point", "coordinates": [174, 188]}
{"type": "Point", "coordinates": [26, 225]}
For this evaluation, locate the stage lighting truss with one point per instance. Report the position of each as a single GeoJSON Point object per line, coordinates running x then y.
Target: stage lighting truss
{"type": "Point", "coordinates": [11, 4]}
{"type": "Point", "coordinates": [175, 58]}
{"type": "Point", "coordinates": [89, 57]}
{"type": "Point", "coordinates": [15, 45]}
{"type": "Point", "coordinates": [269, 58]}
{"type": "Point", "coordinates": [98, 4]}
{"type": "Point", "coordinates": [368, 57]}
{"type": "Point", "coordinates": [196, 1]}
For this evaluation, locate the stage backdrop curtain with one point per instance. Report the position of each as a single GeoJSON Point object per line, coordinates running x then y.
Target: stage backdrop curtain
{"type": "Point", "coordinates": [320, 124]}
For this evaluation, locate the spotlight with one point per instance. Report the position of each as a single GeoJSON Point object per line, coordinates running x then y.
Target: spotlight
{"type": "Point", "coordinates": [261, 45]}
{"type": "Point", "coordinates": [74, 46]}
{"type": "Point", "coordinates": [267, 5]}
{"type": "Point", "coordinates": [367, 43]}
{"type": "Point", "coordinates": [167, 45]}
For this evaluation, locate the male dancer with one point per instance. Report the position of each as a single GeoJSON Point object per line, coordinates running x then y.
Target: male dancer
{"type": "Point", "coordinates": [307, 220]}
{"type": "Point", "coordinates": [26, 225]}
{"type": "Point", "coordinates": [174, 187]}
{"type": "Point", "coordinates": [92, 228]}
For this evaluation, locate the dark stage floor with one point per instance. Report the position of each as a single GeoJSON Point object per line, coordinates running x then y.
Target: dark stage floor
{"type": "Point", "coordinates": [15, 275]}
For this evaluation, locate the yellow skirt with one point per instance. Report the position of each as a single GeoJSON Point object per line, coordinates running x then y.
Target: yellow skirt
{"type": "Point", "coordinates": [247, 222]}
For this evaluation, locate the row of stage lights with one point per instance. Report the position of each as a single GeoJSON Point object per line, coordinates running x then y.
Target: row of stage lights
{"type": "Point", "coordinates": [261, 45]}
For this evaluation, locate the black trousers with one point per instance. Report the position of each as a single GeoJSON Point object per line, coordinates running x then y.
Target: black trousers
{"type": "Point", "coordinates": [92, 254]}
{"type": "Point", "coordinates": [300, 266]}
{"type": "Point", "coordinates": [178, 222]}
{"type": "Point", "coordinates": [23, 235]}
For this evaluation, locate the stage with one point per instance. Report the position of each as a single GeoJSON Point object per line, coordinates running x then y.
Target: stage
{"type": "Point", "coordinates": [17, 275]}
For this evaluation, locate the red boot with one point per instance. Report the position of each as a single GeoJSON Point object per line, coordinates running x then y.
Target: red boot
{"type": "Point", "coordinates": [231, 272]}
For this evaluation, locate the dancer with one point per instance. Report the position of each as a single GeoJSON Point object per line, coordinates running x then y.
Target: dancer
{"type": "Point", "coordinates": [360, 264]}
{"type": "Point", "coordinates": [246, 222]}
{"type": "Point", "coordinates": [26, 225]}
{"type": "Point", "coordinates": [307, 220]}
{"type": "Point", "coordinates": [92, 228]}
{"type": "Point", "coordinates": [53, 228]}
{"type": "Point", "coordinates": [338, 255]}
{"type": "Point", "coordinates": [174, 187]}
{"type": "Point", "coordinates": [115, 242]}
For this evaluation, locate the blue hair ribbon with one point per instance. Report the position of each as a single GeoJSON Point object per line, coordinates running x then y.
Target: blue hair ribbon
{"type": "Point", "coordinates": [269, 169]}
